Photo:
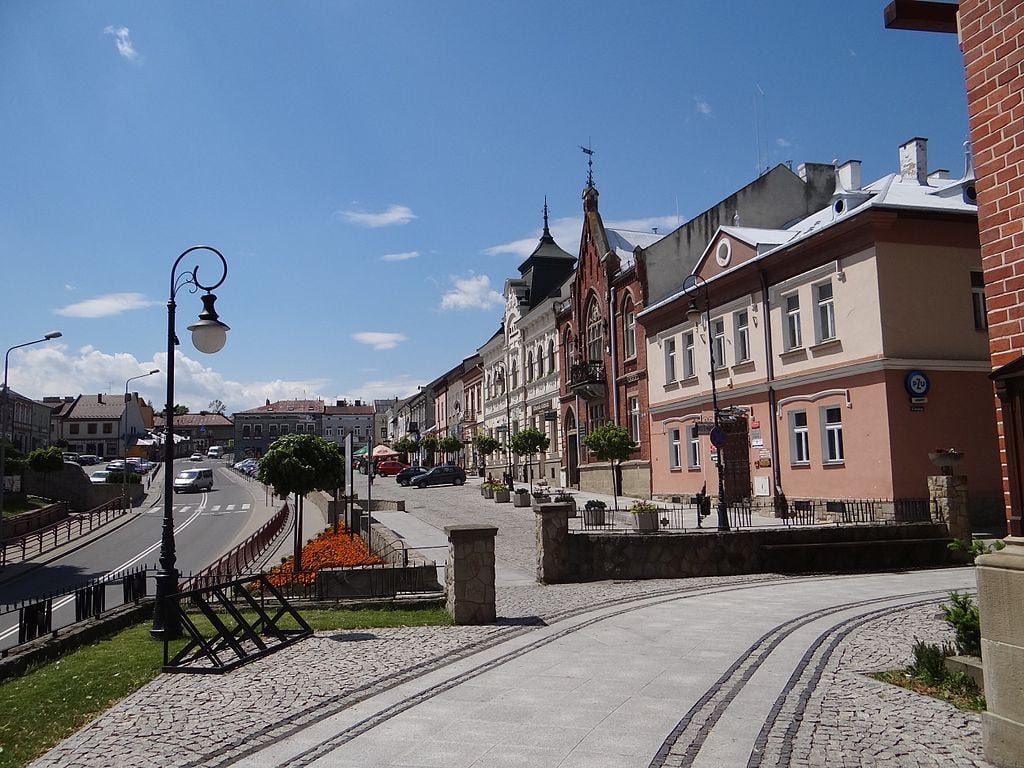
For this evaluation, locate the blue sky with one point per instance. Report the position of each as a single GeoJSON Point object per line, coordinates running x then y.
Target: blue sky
{"type": "Point", "coordinates": [374, 171]}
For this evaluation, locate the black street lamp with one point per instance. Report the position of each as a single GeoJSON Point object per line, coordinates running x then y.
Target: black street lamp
{"type": "Point", "coordinates": [208, 336]}
{"type": "Point", "coordinates": [124, 436]}
{"type": "Point", "coordinates": [508, 418]}
{"type": "Point", "coordinates": [3, 410]}
{"type": "Point", "coordinates": [693, 314]}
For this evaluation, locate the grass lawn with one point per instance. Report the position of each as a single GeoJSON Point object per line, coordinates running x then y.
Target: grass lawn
{"type": "Point", "coordinates": [48, 704]}
{"type": "Point", "coordinates": [15, 505]}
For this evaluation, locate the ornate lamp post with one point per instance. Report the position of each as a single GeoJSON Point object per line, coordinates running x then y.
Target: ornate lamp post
{"type": "Point", "coordinates": [124, 436]}
{"type": "Point", "coordinates": [208, 336]}
{"type": "Point", "coordinates": [3, 409]}
{"type": "Point", "coordinates": [508, 417]}
{"type": "Point", "coordinates": [693, 314]}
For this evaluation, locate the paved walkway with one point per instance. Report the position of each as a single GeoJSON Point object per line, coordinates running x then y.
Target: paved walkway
{"type": "Point", "coordinates": [742, 671]}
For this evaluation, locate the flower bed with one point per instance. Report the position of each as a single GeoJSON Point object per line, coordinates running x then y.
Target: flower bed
{"type": "Point", "coordinates": [328, 550]}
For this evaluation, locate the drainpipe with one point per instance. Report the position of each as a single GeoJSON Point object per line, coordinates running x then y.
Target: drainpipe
{"type": "Point", "coordinates": [766, 326]}
{"type": "Point", "coordinates": [614, 355]}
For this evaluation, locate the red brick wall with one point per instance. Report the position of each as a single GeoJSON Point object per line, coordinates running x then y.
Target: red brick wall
{"type": "Point", "coordinates": [991, 35]}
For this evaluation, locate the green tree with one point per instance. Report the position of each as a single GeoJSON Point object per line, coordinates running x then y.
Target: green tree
{"type": "Point", "coordinates": [485, 445]}
{"type": "Point", "coordinates": [301, 464]}
{"type": "Point", "coordinates": [45, 461]}
{"type": "Point", "coordinates": [216, 406]}
{"type": "Point", "coordinates": [450, 445]}
{"type": "Point", "coordinates": [528, 442]}
{"type": "Point", "coordinates": [430, 445]}
{"type": "Point", "coordinates": [179, 410]}
{"type": "Point", "coordinates": [60, 443]}
{"type": "Point", "coordinates": [406, 445]}
{"type": "Point", "coordinates": [611, 443]}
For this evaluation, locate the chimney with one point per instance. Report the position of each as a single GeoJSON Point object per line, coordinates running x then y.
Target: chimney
{"type": "Point", "coordinates": [99, 399]}
{"type": "Point", "coordinates": [848, 176]}
{"type": "Point", "coordinates": [268, 401]}
{"type": "Point", "coordinates": [914, 160]}
{"type": "Point", "coordinates": [359, 402]}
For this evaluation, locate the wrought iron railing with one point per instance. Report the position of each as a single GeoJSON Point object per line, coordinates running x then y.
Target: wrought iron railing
{"type": "Point", "coordinates": [20, 548]}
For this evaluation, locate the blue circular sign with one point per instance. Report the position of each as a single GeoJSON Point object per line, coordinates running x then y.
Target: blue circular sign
{"type": "Point", "coordinates": [917, 383]}
{"type": "Point", "coordinates": [718, 437]}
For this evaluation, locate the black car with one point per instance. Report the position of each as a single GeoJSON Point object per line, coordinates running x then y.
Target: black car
{"type": "Point", "coordinates": [407, 475]}
{"type": "Point", "coordinates": [443, 475]}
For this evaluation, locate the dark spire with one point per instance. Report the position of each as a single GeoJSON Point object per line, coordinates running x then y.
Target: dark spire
{"type": "Point", "coordinates": [547, 232]}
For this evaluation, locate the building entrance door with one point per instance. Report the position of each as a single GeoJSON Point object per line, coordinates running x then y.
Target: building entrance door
{"type": "Point", "coordinates": [572, 457]}
{"type": "Point", "coordinates": [736, 458]}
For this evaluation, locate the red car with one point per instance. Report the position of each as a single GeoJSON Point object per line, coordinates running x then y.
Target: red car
{"type": "Point", "coordinates": [390, 467]}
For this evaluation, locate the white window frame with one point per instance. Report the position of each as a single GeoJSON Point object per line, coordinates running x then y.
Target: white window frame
{"type": "Point", "coordinates": [674, 456]}
{"type": "Point", "coordinates": [832, 449]}
{"type": "Point", "coordinates": [689, 359]}
{"type": "Point", "coordinates": [799, 439]}
{"type": "Point", "coordinates": [825, 313]}
{"type": "Point", "coordinates": [978, 306]}
{"type": "Point", "coordinates": [692, 447]}
{"type": "Point", "coordinates": [793, 336]}
{"type": "Point", "coordinates": [741, 320]}
{"type": "Point", "coordinates": [670, 360]}
{"type": "Point", "coordinates": [633, 405]}
{"type": "Point", "coordinates": [718, 342]}
{"type": "Point", "coordinates": [629, 328]}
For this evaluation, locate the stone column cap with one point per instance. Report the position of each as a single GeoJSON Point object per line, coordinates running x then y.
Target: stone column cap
{"type": "Point", "coordinates": [470, 529]}
{"type": "Point", "coordinates": [551, 507]}
{"type": "Point", "coordinates": [1011, 556]}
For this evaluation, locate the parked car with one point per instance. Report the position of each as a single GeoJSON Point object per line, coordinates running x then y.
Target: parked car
{"type": "Point", "coordinates": [87, 459]}
{"type": "Point", "coordinates": [446, 474]}
{"type": "Point", "coordinates": [70, 457]}
{"type": "Point", "coordinates": [390, 467]}
{"type": "Point", "coordinates": [194, 480]}
{"type": "Point", "coordinates": [116, 465]}
{"type": "Point", "coordinates": [196, 457]}
{"type": "Point", "coordinates": [407, 475]}
{"type": "Point", "coordinates": [100, 476]}
{"type": "Point", "coordinates": [215, 452]}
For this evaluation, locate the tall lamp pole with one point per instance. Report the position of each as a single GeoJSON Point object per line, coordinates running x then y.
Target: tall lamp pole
{"type": "Point", "coordinates": [693, 314]}
{"type": "Point", "coordinates": [124, 436]}
{"type": "Point", "coordinates": [208, 336]}
{"type": "Point", "coordinates": [3, 410]}
{"type": "Point", "coordinates": [508, 418]}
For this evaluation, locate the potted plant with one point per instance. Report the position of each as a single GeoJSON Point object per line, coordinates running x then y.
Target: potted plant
{"type": "Point", "coordinates": [564, 497]}
{"type": "Point", "coordinates": [645, 516]}
{"type": "Point", "coordinates": [489, 487]}
{"type": "Point", "coordinates": [501, 494]}
{"type": "Point", "coordinates": [521, 497]}
{"type": "Point", "coordinates": [593, 512]}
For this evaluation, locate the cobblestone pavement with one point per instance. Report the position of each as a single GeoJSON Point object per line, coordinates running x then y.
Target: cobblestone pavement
{"type": "Point", "coordinates": [827, 714]}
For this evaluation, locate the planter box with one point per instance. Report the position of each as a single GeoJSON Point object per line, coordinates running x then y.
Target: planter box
{"type": "Point", "coordinates": [521, 499]}
{"type": "Point", "coordinates": [593, 516]}
{"type": "Point", "coordinates": [501, 497]}
{"type": "Point", "coordinates": [487, 492]}
{"type": "Point", "coordinates": [645, 521]}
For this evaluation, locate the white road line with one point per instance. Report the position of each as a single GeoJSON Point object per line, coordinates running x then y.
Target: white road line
{"type": "Point", "coordinates": [126, 564]}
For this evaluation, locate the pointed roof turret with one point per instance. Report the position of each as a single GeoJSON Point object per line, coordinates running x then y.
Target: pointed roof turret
{"type": "Point", "coordinates": [546, 268]}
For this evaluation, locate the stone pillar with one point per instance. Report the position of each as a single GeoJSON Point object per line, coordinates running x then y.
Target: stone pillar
{"type": "Point", "coordinates": [552, 526]}
{"type": "Point", "coordinates": [469, 575]}
{"type": "Point", "coordinates": [1000, 585]}
{"type": "Point", "coordinates": [948, 495]}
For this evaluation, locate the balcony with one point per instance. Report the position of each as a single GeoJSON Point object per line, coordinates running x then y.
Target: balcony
{"type": "Point", "coordinates": [587, 380]}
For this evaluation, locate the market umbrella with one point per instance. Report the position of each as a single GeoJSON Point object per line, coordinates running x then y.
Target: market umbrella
{"type": "Point", "coordinates": [359, 451]}
{"type": "Point", "coordinates": [379, 451]}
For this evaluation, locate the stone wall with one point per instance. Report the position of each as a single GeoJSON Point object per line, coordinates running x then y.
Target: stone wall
{"type": "Point", "coordinates": [72, 485]}
{"type": "Point", "coordinates": [26, 522]}
{"type": "Point", "coordinates": [636, 479]}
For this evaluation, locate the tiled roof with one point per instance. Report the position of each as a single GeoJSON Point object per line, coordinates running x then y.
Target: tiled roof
{"type": "Point", "coordinates": [196, 420]}
{"type": "Point", "coordinates": [290, 406]}
{"type": "Point", "coordinates": [97, 407]}
{"type": "Point", "coordinates": [348, 410]}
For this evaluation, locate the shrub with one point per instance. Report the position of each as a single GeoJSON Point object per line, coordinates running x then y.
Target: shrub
{"type": "Point", "coordinates": [929, 665]}
{"type": "Point", "coordinates": [974, 547]}
{"type": "Point", "coordinates": [643, 506]}
{"type": "Point", "coordinates": [595, 504]}
{"type": "Point", "coordinates": [963, 616]}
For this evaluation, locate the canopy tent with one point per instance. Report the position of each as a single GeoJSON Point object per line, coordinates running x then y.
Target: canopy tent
{"type": "Point", "coordinates": [361, 451]}
{"type": "Point", "coordinates": [380, 451]}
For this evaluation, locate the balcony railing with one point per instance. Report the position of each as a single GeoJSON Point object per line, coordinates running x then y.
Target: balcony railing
{"type": "Point", "coordinates": [587, 379]}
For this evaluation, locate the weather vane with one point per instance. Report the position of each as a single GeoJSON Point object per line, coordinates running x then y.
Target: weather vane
{"type": "Point", "coordinates": [590, 162]}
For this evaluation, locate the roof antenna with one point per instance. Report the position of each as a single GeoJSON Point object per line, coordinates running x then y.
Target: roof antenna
{"type": "Point", "coordinates": [590, 162]}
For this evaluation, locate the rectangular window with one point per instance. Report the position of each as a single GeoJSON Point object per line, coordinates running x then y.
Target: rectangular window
{"type": "Point", "coordinates": [246, 431]}
{"type": "Point", "coordinates": [978, 301]}
{"type": "Point", "coordinates": [674, 455]}
{"type": "Point", "coordinates": [328, 431]}
{"type": "Point", "coordinates": [825, 324]}
{"type": "Point", "coordinates": [630, 331]}
{"type": "Point", "coordinates": [108, 428]}
{"type": "Point", "coordinates": [718, 340]}
{"type": "Point", "coordinates": [799, 445]}
{"type": "Point", "coordinates": [73, 429]}
{"type": "Point", "coordinates": [91, 428]}
{"type": "Point", "coordinates": [832, 424]}
{"type": "Point", "coordinates": [792, 323]}
{"type": "Point", "coordinates": [311, 427]}
{"type": "Point", "coordinates": [689, 368]}
{"type": "Point", "coordinates": [597, 413]}
{"type": "Point", "coordinates": [273, 430]}
{"type": "Point", "coordinates": [693, 447]}
{"type": "Point", "coordinates": [257, 430]}
{"type": "Point", "coordinates": [742, 321]}
{"type": "Point", "coordinates": [284, 429]}
{"type": "Point", "coordinates": [634, 418]}
{"type": "Point", "coordinates": [383, 433]}
{"type": "Point", "coordinates": [670, 360]}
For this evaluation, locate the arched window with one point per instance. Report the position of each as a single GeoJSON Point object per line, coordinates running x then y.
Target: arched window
{"type": "Point", "coordinates": [551, 356]}
{"type": "Point", "coordinates": [529, 366]}
{"type": "Point", "coordinates": [514, 376]}
{"type": "Point", "coordinates": [567, 353]}
{"type": "Point", "coordinates": [629, 327]}
{"type": "Point", "coordinates": [595, 334]}
{"type": "Point", "coordinates": [540, 361]}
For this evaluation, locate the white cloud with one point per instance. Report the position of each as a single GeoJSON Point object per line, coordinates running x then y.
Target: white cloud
{"type": "Point", "coordinates": [383, 389]}
{"type": "Point", "coordinates": [122, 37]}
{"type": "Point", "coordinates": [782, 143]}
{"type": "Point", "coordinates": [702, 106]}
{"type": "Point", "coordinates": [69, 287]}
{"type": "Point", "coordinates": [105, 306]}
{"type": "Point", "coordinates": [473, 292]}
{"type": "Point", "coordinates": [394, 215]}
{"type": "Point", "coordinates": [378, 339]}
{"type": "Point", "coordinates": [404, 256]}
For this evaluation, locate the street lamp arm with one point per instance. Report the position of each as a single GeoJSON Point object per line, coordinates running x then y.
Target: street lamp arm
{"type": "Point", "coordinates": [192, 278]}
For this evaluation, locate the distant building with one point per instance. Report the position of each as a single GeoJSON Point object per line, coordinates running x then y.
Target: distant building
{"type": "Point", "coordinates": [343, 418]}
{"type": "Point", "coordinates": [203, 430]}
{"type": "Point", "coordinates": [257, 428]}
{"type": "Point", "coordinates": [102, 425]}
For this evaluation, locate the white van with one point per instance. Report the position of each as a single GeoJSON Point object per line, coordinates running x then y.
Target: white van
{"type": "Point", "coordinates": [215, 452]}
{"type": "Point", "coordinates": [194, 480]}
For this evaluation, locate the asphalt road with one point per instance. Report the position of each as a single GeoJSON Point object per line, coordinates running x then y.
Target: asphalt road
{"type": "Point", "coordinates": [207, 525]}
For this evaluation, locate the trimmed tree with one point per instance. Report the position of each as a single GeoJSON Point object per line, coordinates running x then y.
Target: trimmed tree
{"type": "Point", "coordinates": [485, 445]}
{"type": "Point", "coordinates": [301, 464]}
{"type": "Point", "coordinates": [406, 445]}
{"type": "Point", "coordinates": [450, 445]}
{"type": "Point", "coordinates": [611, 443]}
{"type": "Point", "coordinates": [528, 442]}
{"type": "Point", "coordinates": [429, 444]}
{"type": "Point", "coordinates": [45, 461]}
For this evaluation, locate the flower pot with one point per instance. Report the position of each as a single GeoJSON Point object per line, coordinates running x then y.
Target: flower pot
{"type": "Point", "coordinates": [488, 493]}
{"type": "Point", "coordinates": [593, 516]}
{"type": "Point", "coordinates": [521, 499]}
{"type": "Point", "coordinates": [501, 497]}
{"type": "Point", "coordinates": [645, 521]}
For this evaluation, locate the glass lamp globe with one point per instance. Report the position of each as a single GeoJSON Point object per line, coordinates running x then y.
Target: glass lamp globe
{"type": "Point", "coordinates": [209, 334]}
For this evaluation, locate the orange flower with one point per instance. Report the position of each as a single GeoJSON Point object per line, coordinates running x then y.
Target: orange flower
{"type": "Point", "coordinates": [328, 550]}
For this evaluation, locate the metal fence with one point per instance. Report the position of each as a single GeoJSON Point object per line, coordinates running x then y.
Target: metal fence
{"type": "Point", "coordinates": [694, 516]}
{"type": "Point", "coordinates": [37, 542]}
{"type": "Point", "coordinates": [239, 559]}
